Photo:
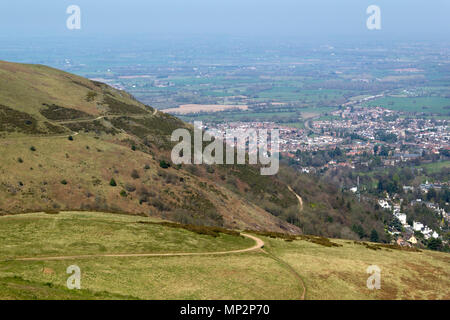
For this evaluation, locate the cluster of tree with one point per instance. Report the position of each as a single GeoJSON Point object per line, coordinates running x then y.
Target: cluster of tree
{"type": "Point", "coordinates": [319, 158]}
{"type": "Point", "coordinates": [386, 137]}
{"type": "Point", "coordinates": [355, 136]}
{"type": "Point", "coordinates": [381, 150]}
{"type": "Point", "coordinates": [425, 215]}
{"type": "Point", "coordinates": [390, 186]}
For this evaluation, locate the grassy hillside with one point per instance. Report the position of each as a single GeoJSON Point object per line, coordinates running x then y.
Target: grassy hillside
{"type": "Point", "coordinates": [336, 271]}
{"type": "Point", "coordinates": [85, 233]}
{"type": "Point", "coordinates": [69, 143]}
{"type": "Point", "coordinates": [340, 272]}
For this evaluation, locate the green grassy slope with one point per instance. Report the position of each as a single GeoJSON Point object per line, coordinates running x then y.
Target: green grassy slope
{"type": "Point", "coordinates": [328, 272]}
{"type": "Point", "coordinates": [83, 233]}
{"type": "Point", "coordinates": [26, 87]}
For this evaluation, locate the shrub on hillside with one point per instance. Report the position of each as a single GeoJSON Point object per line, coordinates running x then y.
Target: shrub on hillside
{"type": "Point", "coordinates": [135, 174]}
{"type": "Point", "coordinates": [112, 182]}
{"type": "Point", "coordinates": [91, 96]}
{"type": "Point", "coordinates": [51, 211]}
{"type": "Point", "coordinates": [273, 235]}
{"type": "Point", "coordinates": [158, 204]}
{"type": "Point", "coordinates": [164, 164]}
{"type": "Point", "coordinates": [129, 187]}
{"type": "Point", "coordinates": [203, 230]}
{"type": "Point", "coordinates": [435, 244]}
{"type": "Point", "coordinates": [169, 178]}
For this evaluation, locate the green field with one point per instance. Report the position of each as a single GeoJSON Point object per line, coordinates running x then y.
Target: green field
{"type": "Point", "coordinates": [79, 233]}
{"type": "Point", "coordinates": [326, 272]}
{"type": "Point", "coordinates": [435, 105]}
{"type": "Point", "coordinates": [436, 166]}
{"type": "Point", "coordinates": [283, 115]}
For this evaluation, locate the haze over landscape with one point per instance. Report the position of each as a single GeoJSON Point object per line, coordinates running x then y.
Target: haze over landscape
{"type": "Point", "coordinates": [303, 19]}
{"type": "Point", "coordinates": [357, 121]}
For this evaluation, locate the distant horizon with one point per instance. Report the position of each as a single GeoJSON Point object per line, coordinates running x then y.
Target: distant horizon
{"type": "Point", "coordinates": [52, 51]}
{"type": "Point", "coordinates": [250, 18]}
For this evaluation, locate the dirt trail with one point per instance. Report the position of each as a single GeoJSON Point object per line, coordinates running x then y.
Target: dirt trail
{"type": "Point", "coordinates": [74, 121]}
{"type": "Point", "coordinates": [258, 245]}
{"type": "Point", "coordinates": [300, 200]}
{"type": "Point", "coordinates": [292, 270]}
{"type": "Point", "coordinates": [110, 116]}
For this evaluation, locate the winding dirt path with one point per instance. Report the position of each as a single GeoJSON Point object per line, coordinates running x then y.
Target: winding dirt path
{"type": "Point", "coordinates": [300, 200]}
{"type": "Point", "coordinates": [258, 245]}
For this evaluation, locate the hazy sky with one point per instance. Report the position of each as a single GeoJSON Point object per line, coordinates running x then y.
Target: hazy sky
{"type": "Point", "coordinates": [302, 18]}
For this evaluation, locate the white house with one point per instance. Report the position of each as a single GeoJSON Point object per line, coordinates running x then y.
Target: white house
{"type": "Point", "coordinates": [384, 204]}
{"type": "Point", "coordinates": [402, 218]}
{"type": "Point", "coordinates": [427, 232]}
{"type": "Point", "coordinates": [417, 226]}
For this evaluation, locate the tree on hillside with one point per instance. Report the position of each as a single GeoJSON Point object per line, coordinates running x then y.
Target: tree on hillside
{"type": "Point", "coordinates": [434, 244]}
{"type": "Point", "coordinates": [375, 149]}
{"type": "Point", "coordinates": [374, 236]}
{"type": "Point", "coordinates": [358, 229]}
{"type": "Point", "coordinates": [431, 194]}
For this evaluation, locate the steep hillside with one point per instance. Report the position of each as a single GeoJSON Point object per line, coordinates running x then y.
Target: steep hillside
{"type": "Point", "coordinates": [68, 143]}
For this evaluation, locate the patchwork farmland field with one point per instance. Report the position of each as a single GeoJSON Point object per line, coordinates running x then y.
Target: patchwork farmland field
{"type": "Point", "coordinates": [196, 108]}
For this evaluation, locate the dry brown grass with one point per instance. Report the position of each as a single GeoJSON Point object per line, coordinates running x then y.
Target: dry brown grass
{"type": "Point", "coordinates": [340, 272]}
{"type": "Point", "coordinates": [35, 184]}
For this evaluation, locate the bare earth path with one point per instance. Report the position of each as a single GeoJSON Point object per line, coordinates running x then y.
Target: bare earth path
{"type": "Point", "coordinates": [155, 112]}
{"type": "Point", "coordinates": [300, 200]}
{"type": "Point", "coordinates": [287, 265]}
{"type": "Point", "coordinates": [258, 245]}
